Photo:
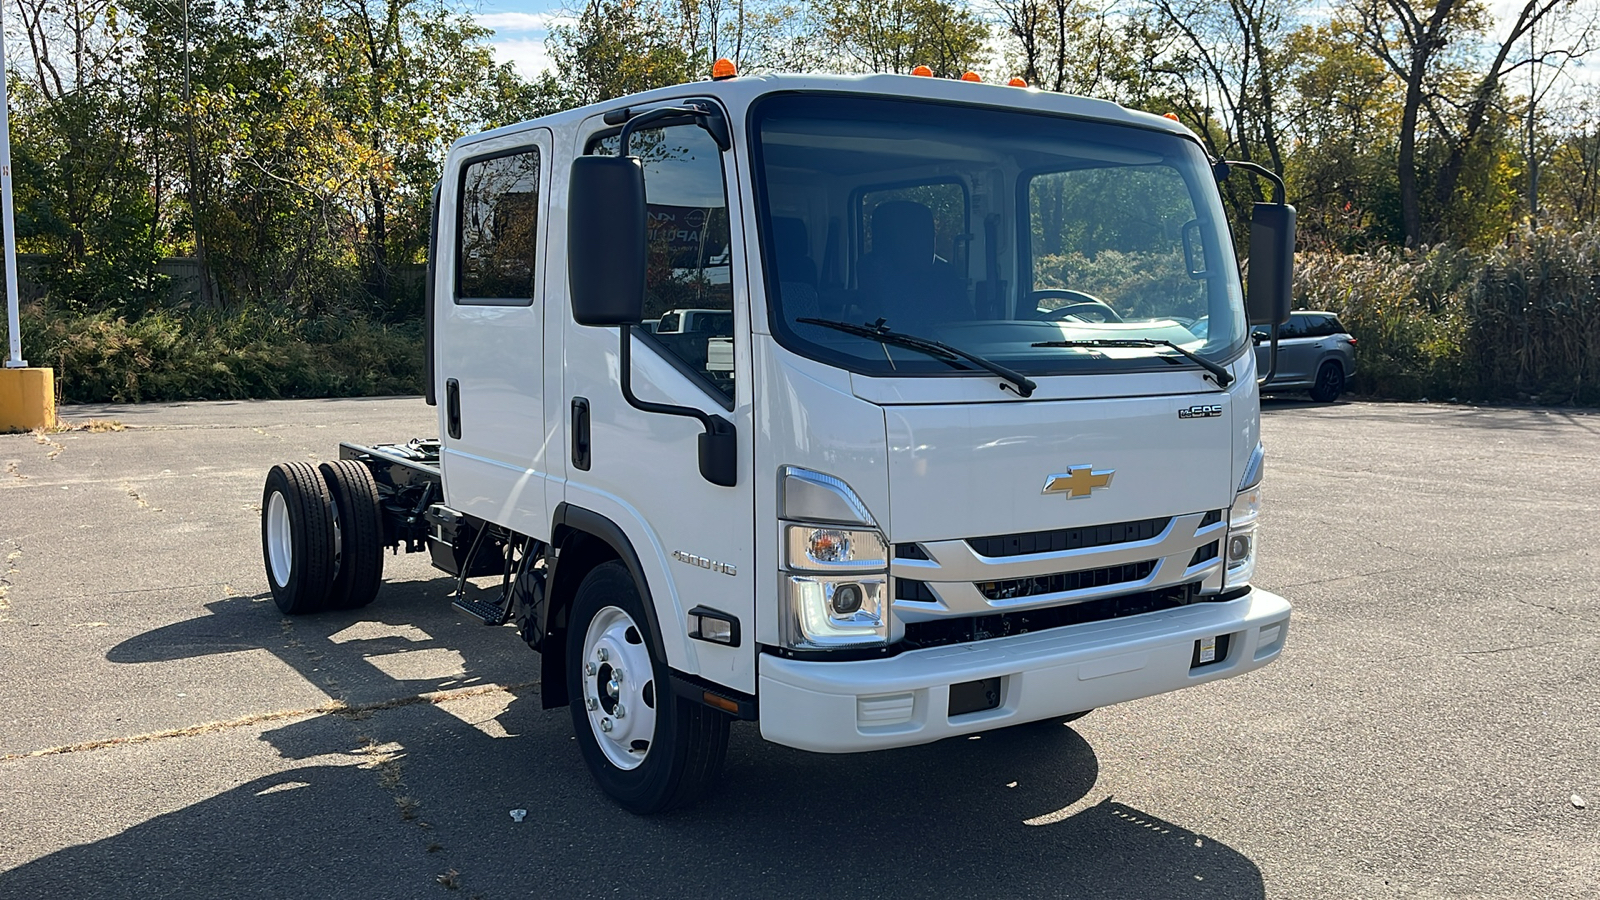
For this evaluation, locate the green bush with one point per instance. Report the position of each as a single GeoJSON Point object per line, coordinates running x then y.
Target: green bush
{"type": "Point", "coordinates": [1519, 322]}
{"type": "Point", "coordinates": [250, 354]}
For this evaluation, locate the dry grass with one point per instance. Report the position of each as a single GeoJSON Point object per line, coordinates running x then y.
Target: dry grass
{"type": "Point", "coordinates": [332, 707]}
{"type": "Point", "coordinates": [93, 426]}
{"type": "Point", "coordinates": [1518, 322]}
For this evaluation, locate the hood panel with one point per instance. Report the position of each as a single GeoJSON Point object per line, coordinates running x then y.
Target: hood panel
{"type": "Point", "coordinates": [971, 470]}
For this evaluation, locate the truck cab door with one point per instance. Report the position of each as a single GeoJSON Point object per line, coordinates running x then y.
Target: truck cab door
{"type": "Point", "coordinates": [489, 332]}
{"type": "Point", "coordinates": [640, 469]}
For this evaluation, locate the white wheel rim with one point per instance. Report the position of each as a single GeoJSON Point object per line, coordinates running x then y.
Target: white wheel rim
{"type": "Point", "coordinates": [280, 556]}
{"type": "Point", "coordinates": [619, 688]}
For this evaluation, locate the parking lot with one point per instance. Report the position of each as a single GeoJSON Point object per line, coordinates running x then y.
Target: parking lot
{"type": "Point", "coordinates": [165, 732]}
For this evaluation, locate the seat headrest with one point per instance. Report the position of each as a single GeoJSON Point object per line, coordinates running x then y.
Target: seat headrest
{"type": "Point", "coordinates": [789, 235]}
{"type": "Point", "coordinates": [902, 230]}
{"type": "Point", "coordinates": [791, 245]}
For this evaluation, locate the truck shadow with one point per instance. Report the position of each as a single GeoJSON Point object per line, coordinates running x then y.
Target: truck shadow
{"type": "Point", "coordinates": [1000, 815]}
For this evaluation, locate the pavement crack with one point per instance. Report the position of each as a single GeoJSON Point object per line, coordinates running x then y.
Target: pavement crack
{"type": "Point", "coordinates": [137, 497]}
{"type": "Point", "coordinates": [1333, 578]}
{"type": "Point", "coordinates": [56, 448]}
{"type": "Point", "coordinates": [8, 569]}
{"type": "Point", "coordinates": [1493, 650]}
{"type": "Point", "coordinates": [332, 707]}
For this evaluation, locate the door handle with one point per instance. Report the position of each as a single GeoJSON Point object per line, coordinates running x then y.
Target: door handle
{"type": "Point", "coordinates": [580, 433]}
{"type": "Point", "coordinates": [452, 405]}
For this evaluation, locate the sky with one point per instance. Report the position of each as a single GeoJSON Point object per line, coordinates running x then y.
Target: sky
{"type": "Point", "coordinates": [521, 26]}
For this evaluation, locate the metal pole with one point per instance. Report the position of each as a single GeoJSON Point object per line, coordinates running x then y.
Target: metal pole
{"type": "Point", "coordinates": [8, 219]}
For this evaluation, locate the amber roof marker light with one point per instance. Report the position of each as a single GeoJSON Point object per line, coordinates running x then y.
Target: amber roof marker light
{"type": "Point", "coordinates": [922, 72]}
{"type": "Point", "coordinates": [971, 76]}
{"type": "Point", "coordinates": [723, 69]}
{"type": "Point", "coordinates": [1017, 82]}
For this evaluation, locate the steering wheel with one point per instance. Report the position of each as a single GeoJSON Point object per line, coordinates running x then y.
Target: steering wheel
{"type": "Point", "coordinates": [1080, 305]}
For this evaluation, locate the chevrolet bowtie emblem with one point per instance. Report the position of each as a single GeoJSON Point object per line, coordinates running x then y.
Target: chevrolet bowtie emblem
{"type": "Point", "coordinates": [1078, 481]}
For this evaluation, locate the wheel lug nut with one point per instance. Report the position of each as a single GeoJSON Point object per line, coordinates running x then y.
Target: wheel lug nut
{"type": "Point", "coordinates": [602, 655]}
{"type": "Point", "coordinates": [620, 711]}
{"type": "Point", "coordinates": [605, 724]}
{"type": "Point", "coordinates": [616, 675]}
{"type": "Point", "coordinates": [588, 668]}
{"type": "Point", "coordinates": [592, 703]}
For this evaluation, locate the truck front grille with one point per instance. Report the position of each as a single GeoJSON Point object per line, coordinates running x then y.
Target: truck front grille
{"type": "Point", "coordinates": [1013, 573]}
{"type": "Point", "coordinates": [1020, 544]}
{"type": "Point", "coordinates": [964, 629]}
{"type": "Point", "coordinates": [1062, 582]}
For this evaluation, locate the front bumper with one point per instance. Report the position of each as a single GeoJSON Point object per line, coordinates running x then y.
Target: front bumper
{"type": "Point", "coordinates": [845, 707]}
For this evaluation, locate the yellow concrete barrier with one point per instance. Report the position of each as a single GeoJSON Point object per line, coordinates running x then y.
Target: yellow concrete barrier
{"type": "Point", "coordinates": [27, 399]}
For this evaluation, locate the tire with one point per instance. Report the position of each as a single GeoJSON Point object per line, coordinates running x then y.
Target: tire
{"type": "Point", "coordinates": [1329, 384]}
{"type": "Point", "coordinates": [297, 538]}
{"type": "Point", "coordinates": [662, 751]}
{"type": "Point", "coordinates": [358, 520]}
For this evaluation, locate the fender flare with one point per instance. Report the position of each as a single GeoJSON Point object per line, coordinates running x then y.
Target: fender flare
{"type": "Point", "coordinates": [569, 520]}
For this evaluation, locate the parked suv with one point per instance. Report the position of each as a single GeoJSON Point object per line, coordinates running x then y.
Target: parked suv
{"type": "Point", "coordinates": [1314, 353]}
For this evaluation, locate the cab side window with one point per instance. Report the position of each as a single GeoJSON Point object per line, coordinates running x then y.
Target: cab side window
{"type": "Point", "coordinates": [688, 302]}
{"type": "Point", "coordinates": [497, 229]}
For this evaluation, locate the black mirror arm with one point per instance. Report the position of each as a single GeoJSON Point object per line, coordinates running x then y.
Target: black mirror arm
{"type": "Point", "coordinates": [708, 118]}
{"type": "Point", "coordinates": [1272, 358]}
{"type": "Point", "coordinates": [718, 458]}
{"type": "Point", "coordinates": [1221, 167]}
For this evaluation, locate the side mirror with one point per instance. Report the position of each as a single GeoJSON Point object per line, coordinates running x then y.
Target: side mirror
{"type": "Point", "coordinates": [606, 252]}
{"type": "Point", "coordinates": [1271, 263]}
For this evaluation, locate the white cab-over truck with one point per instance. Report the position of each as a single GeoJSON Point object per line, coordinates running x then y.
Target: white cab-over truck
{"type": "Point", "coordinates": [975, 443]}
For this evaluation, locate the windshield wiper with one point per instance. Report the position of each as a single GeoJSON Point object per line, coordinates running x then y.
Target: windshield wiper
{"type": "Point", "coordinates": [1222, 375]}
{"type": "Point", "coordinates": [1024, 386]}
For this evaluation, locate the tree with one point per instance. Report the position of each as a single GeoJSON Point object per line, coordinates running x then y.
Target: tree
{"type": "Point", "coordinates": [619, 47]}
{"type": "Point", "coordinates": [1071, 47]}
{"type": "Point", "coordinates": [899, 35]}
{"type": "Point", "coordinates": [1419, 41]}
{"type": "Point", "coordinates": [82, 198]}
{"type": "Point", "coordinates": [1225, 75]}
{"type": "Point", "coordinates": [1341, 119]}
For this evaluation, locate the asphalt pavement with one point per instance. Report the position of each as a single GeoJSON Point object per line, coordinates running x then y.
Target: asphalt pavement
{"type": "Point", "coordinates": [165, 732]}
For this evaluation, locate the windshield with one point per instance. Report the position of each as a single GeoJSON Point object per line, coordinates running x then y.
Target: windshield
{"type": "Point", "coordinates": [993, 231]}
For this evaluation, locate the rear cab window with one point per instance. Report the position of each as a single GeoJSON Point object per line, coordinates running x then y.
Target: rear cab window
{"type": "Point", "coordinates": [497, 228]}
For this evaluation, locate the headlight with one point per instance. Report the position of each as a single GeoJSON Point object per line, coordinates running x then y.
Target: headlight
{"type": "Point", "coordinates": [835, 580]}
{"type": "Point", "coordinates": [825, 549]}
{"type": "Point", "coordinates": [1242, 543]}
{"type": "Point", "coordinates": [831, 613]}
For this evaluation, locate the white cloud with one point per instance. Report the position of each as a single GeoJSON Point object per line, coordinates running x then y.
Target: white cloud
{"type": "Point", "coordinates": [527, 55]}
{"type": "Point", "coordinates": [519, 21]}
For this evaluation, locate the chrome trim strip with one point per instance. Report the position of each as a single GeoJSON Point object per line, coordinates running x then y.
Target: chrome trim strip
{"type": "Point", "coordinates": [954, 571]}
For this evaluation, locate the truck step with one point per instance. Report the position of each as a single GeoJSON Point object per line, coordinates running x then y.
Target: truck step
{"type": "Point", "coordinates": [489, 613]}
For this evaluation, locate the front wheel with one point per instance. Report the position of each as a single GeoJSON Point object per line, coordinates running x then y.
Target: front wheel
{"type": "Point", "coordinates": [1329, 384]}
{"type": "Point", "coordinates": [649, 749]}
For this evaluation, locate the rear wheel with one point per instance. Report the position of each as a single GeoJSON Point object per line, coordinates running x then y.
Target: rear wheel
{"type": "Point", "coordinates": [649, 749]}
{"type": "Point", "coordinates": [1329, 384]}
{"type": "Point", "coordinates": [297, 538]}
{"type": "Point", "coordinates": [358, 522]}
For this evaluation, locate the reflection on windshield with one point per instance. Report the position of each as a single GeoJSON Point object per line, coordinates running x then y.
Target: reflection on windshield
{"type": "Point", "coordinates": [1015, 236]}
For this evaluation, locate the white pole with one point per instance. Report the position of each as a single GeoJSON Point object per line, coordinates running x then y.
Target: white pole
{"type": "Point", "coordinates": [8, 219]}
